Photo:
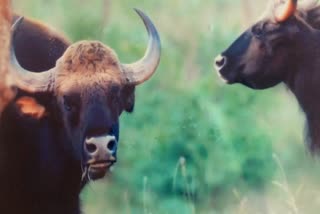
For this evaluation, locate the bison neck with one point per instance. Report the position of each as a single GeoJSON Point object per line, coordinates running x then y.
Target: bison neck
{"type": "Point", "coordinates": [37, 173]}
{"type": "Point", "coordinates": [304, 82]}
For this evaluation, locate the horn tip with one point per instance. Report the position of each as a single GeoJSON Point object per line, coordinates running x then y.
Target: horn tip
{"type": "Point", "coordinates": [17, 23]}
{"type": "Point", "coordinates": [137, 10]}
{"type": "Point", "coordinates": [140, 13]}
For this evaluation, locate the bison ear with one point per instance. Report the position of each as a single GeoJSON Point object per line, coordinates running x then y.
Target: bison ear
{"type": "Point", "coordinates": [28, 106]}
{"type": "Point", "coordinates": [128, 98]}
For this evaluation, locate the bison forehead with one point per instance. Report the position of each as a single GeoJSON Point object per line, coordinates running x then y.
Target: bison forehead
{"type": "Point", "coordinates": [89, 57]}
{"type": "Point", "coordinates": [88, 84]}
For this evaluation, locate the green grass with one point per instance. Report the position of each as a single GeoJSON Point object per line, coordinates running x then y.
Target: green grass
{"type": "Point", "coordinates": [193, 144]}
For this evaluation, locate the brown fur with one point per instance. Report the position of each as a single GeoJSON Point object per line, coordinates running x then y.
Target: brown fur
{"type": "Point", "coordinates": [90, 72]}
{"type": "Point", "coordinates": [90, 58]}
{"type": "Point", "coordinates": [6, 94]}
{"type": "Point", "coordinates": [92, 66]}
{"type": "Point", "coordinates": [88, 97]}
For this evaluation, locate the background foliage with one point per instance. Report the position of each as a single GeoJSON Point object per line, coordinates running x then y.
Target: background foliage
{"type": "Point", "coordinates": [193, 144]}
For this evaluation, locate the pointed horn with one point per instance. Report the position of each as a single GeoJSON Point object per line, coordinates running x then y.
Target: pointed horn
{"type": "Point", "coordinates": [140, 71]}
{"type": "Point", "coordinates": [283, 12]}
{"type": "Point", "coordinates": [26, 80]}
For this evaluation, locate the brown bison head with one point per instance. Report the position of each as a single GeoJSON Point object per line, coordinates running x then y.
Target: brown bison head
{"type": "Point", "coordinates": [90, 89]}
{"type": "Point", "coordinates": [268, 52]}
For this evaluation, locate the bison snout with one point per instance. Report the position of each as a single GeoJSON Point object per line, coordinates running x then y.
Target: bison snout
{"type": "Point", "coordinates": [102, 148]}
{"type": "Point", "coordinates": [220, 62]}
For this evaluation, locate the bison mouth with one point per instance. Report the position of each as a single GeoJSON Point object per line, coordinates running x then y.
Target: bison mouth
{"type": "Point", "coordinates": [231, 76]}
{"type": "Point", "coordinates": [98, 169]}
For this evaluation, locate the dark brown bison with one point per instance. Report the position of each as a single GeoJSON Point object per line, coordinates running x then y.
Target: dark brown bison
{"type": "Point", "coordinates": [63, 127]}
{"type": "Point", "coordinates": [284, 46]}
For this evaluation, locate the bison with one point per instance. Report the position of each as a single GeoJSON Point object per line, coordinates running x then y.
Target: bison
{"type": "Point", "coordinates": [282, 47]}
{"type": "Point", "coordinates": [62, 129]}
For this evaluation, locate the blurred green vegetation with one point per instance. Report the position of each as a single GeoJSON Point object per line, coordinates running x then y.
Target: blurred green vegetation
{"type": "Point", "coordinates": [193, 144]}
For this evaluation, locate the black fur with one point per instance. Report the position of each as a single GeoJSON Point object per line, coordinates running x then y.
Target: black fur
{"type": "Point", "coordinates": [38, 172]}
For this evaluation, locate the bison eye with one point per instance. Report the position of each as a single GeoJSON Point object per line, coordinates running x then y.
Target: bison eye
{"type": "Point", "coordinates": [71, 102]}
{"type": "Point", "coordinates": [68, 105]}
{"type": "Point", "coordinates": [257, 31]}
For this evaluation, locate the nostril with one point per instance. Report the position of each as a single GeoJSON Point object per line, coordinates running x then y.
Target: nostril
{"type": "Point", "coordinates": [91, 148]}
{"type": "Point", "coordinates": [112, 145]}
{"type": "Point", "coordinates": [220, 61]}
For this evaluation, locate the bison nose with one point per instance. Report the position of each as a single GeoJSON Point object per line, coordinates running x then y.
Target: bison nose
{"type": "Point", "coordinates": [101, 148]}
{"type": "Point", "coordinates": [220, 62]}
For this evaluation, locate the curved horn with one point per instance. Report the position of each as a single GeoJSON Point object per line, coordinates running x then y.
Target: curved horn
{"type": "Point", "coordinates": [283, 12]}
{"type": "Point", "coordinates": [140, 71]}
{"type": "Point", "coordinates": [28, 81]}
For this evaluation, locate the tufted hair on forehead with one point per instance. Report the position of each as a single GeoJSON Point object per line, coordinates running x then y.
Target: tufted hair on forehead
{"type": "Point", "coordinates": [88, 63]}
{"type": "Point", "coordinates": [89, 57]}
